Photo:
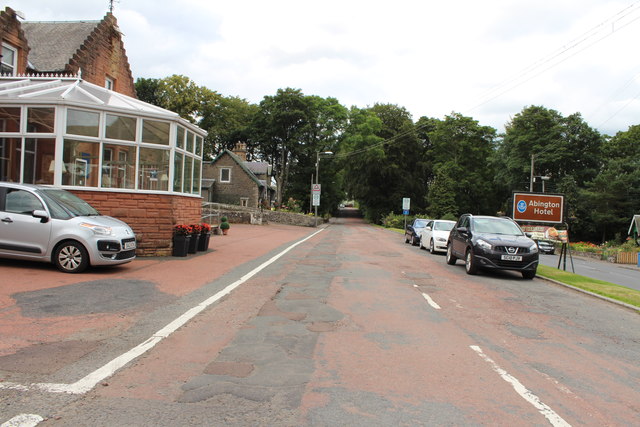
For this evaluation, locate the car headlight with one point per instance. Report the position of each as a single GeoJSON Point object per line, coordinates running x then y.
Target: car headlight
{"type": "Point", "coordinates": [100, 230]}
{"type": "Point", "coordinates": [533, 248]}
{"type": "Point", "coordinates": [484, 245]}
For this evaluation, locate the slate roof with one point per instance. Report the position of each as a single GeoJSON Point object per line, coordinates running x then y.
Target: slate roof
{"type": "Point", "coordinates": [53, 44]}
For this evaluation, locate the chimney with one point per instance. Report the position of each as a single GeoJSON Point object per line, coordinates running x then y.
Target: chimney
{"type": "Point", "coordinates": [240, 150]}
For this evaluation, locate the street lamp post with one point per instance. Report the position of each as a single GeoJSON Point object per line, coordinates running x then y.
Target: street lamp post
{"type": "Point", "coordinates": [318, 153]}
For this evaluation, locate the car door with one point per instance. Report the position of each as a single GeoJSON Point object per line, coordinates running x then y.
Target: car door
{"type": "Point", "coordinates": [21, 233]}
{"type": "Point", "coordinates": [459, 242]}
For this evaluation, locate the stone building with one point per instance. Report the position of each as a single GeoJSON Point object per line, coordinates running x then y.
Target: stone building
{"type": "Point", "coordinates": [236, 181]}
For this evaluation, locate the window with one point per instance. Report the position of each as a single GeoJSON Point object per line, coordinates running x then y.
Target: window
{"type": "Point", "coordinates": [155, 132]}
{"type": "Point", "coordinates": [178, 164]}
{"type": "Point", "coordinates": [225, 175]}
{"type": "Point", "coordinates": [40, 119]}
{"type": "Point", "coordinates": [85, 123]}
{"type": "Point", "coordinates": [38, 165]}
{"type": "Point", "coordinates": [121, 127]}
{"type": "Point", "coordinates": [153, 169]}
{"type": "Point", "coordinates": [9, 60]}
{"type": "Point", "coordinates": [118, 166]}
{"type": "Point", "coordinates": [109, 83]}
{"type": "Point", "coordinates": [10, 159]}
{"type": "Point", "coordinates": [180, 137]}
{"type": "Point", "coordinates": [22, 202]}
{"type": "Point", "coordinates": [80, 163]}
{"type": "Point", "coordinates": [9, 119]}
{"type": "Point", "coordinates": [244, 202]}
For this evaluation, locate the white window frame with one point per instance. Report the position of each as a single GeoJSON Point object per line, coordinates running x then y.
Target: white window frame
{"type": "Point", "coordinates": [229, 178]}
{"type": "Point", "coordinates": [15, 58]}
{"type": "Point", "coordinates": [109, 83]}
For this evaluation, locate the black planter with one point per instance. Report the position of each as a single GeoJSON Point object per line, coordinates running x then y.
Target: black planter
{"type": "Point", "coordinates": [203, 243]}
{"type": "Point", "coordinates": [193, 243]}
{"type": "Point", "coordinates": [180, 245]}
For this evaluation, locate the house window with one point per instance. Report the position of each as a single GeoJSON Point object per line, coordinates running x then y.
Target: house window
{"type": "Point", "coordinates": [9, 60]}
{"type": "Point", "coordinates": [225, 175]}
{"type": "Point", "coordinates": [109, 83]}
{"type": "Point", "coordinates": [244, 201]}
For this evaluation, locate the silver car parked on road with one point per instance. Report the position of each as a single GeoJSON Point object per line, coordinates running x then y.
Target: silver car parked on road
{"type": "Point", "coordinates": [43, 223]}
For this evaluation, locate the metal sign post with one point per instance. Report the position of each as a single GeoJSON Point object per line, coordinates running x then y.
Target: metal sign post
{"type": "Point", "coordinates": [315, 193]}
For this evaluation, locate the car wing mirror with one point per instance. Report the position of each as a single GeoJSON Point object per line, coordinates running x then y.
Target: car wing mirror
{"type": "Point", "coordinates": [43, 215]}
{"type": "Point", "coordinates": [462, 229]}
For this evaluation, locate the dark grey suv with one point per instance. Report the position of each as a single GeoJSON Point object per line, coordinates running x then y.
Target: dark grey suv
{"type": "Point", "coordinates": [491, 242]}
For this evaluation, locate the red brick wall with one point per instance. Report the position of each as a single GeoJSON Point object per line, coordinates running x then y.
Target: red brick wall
{"type": "Point", "coordinates": [151, 216]}
{"type": "Point", "coordinates": [103, 55]}
{"type": "Point", "coordinates": [11, 32]}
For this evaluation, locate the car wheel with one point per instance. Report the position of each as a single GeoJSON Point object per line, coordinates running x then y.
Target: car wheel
{"type": "Point", "coordinates": [413, 241]}
{"type": "Point", "coordinates": [470, 262]}
{"type": "Point", "coordinates": [71, 257]}
{"type": "Point", "coordinates": [420, 244]}
{"type": "Point", "coordinates": [431, 248]}
{"type": "Point", "coordinates": [406, 239]}
{"type": "Point", "coordinates": [451, 259]}
{"type": "Point", "coordinates": [529, 274]}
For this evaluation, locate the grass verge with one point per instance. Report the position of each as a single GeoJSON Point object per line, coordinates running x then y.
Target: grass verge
{"type": "Point", "coordinates": [600, 287]}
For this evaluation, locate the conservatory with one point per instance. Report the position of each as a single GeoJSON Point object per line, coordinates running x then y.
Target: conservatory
{"type": "Point", "coordinates": [104, 146]}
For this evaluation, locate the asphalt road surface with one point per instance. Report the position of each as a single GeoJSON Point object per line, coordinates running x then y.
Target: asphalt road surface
{"type": "Point", "coordinates": [620, 274]}
{"type": "Point", "coordinates": [349, 327]}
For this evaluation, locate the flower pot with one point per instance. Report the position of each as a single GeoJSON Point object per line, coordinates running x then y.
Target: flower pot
{"type": "Point", "coordinates": [193, 243]}
{"type": "Point", "coordinates": [225, 231]}
{"type": "Point", "coordinates": [203, 242]}
{"type": "Point", "coordinates": [180, 245]}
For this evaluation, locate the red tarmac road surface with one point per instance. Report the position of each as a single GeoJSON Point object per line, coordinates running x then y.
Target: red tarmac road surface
{"type": "Point", "coordinates": [352, 327]}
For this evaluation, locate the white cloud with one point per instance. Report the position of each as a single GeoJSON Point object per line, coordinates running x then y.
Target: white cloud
{"type": "Point", "coordinates": [430, 57]}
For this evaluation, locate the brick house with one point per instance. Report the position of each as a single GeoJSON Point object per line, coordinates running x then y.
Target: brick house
{"type": "Point", "coordinates": [236, 181]}
{"type": "Point", "coordinates": [94, 48]}
{"type": "Point", "coordinates": [67, 101]}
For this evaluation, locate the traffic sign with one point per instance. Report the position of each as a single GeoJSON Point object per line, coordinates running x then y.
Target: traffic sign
{"type": "Point", "coordinates": [315, 188]}
{"type": "Point", "coordinates": [406, 203]}
{"type": "Point", "coordinates": [316, 199]}
{"type": "Point", "coordinates": [538, 207]}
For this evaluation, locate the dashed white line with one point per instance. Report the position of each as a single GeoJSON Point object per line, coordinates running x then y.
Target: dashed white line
{"type": "Point", "coordinates": [88, 382]}
{"type": "Point", "coordinates": [431, 302]}
{"type": "Point", "coordinates": [23, 420]}
{"type": "Point", "coordinates": [555, 419]}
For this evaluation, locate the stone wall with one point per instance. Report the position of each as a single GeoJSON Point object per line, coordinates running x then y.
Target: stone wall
{"type": "Point", "coordinates": [212, 212]}
{"type": "Point", "coordinates": [151, 216]}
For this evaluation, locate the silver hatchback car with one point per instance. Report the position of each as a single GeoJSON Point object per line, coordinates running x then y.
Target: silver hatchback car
{"type": "Point", "coordinates": [42, 223]}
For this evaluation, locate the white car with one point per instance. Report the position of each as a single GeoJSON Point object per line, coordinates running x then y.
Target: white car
{"type": "Point", "coordinates": [42, 223]}
{"type": "Point", "coordinates": [434, 236]}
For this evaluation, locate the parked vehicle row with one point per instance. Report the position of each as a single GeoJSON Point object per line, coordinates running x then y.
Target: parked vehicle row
{"type": "Point", "coordinates": [412, 231]}
{"type": "Point", "coordinates": [483, 242]}
{"type": "Point", "coordinates": [41, 223]}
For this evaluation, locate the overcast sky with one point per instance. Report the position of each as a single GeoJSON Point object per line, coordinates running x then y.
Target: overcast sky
{"type": "Point", "coordinates": [485, 59]}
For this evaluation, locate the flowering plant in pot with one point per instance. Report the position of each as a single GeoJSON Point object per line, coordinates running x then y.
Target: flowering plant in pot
{"type": "Point", "coordinates": [181, 239]}
{"type": "Point", "coordinates": [195, 237]}
{"type": "Point", "coordinates": [205, 235]}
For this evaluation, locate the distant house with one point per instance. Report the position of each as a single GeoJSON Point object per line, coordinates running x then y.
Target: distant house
{"type": "Point", "coordinates": [93, 49]}
{"type": "Point", "coordinates": [233, 180]}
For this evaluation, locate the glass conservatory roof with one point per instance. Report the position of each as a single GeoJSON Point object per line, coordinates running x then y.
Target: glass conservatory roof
{"type": "Point", "coordinates": [75, 91]}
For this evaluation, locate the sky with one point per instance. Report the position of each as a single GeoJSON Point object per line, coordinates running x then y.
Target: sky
{"type": "Point", "coordinates": [484, 59]}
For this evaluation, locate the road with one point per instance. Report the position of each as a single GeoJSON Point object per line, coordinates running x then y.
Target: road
{"type": "Point", "coordinates": [349, 327]}
{"type": "Point", "coordinates": [620, 274]}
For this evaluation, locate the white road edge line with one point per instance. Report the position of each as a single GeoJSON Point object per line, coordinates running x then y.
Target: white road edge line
{"type": "Point", "coordinates": [431, 302]}
{"type": "Point", "coordinates": [88, 382]}
{"type": "Point", "coordinates": [555, 419]}
{"type": "Point", "coordinates": [23, 420]}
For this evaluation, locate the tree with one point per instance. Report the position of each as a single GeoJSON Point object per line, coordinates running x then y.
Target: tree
{"type": "Point", "coordinates": [461, 150]}
{"type": "Point", "coordinates": [278, 130]}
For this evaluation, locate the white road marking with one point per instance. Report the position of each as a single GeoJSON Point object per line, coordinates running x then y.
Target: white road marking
{"type": "Point", "coordinates": [431, 302]}
{"type": "Point", "coordinates": [555, 419]}
{"type": "Point", "coordinates": [23, 420]}
{"type": "Point", "coordinates": [88, 382]}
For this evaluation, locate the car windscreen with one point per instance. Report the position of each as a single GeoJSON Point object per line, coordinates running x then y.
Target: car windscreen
{"type": "Point", "coordinates": [420, 224]}
{"type": "Point", "coordinates": [444, 226]}
{"type": "Point", "coordinates": [61, 199]}
{"type": "Point", "coordinates": [496, 226]}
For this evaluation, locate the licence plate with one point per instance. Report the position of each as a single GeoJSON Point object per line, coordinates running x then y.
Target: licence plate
{"type": "Point", "coordinates": [129, 245]}
{"type": "Point", "coordinates": [511, 257]}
